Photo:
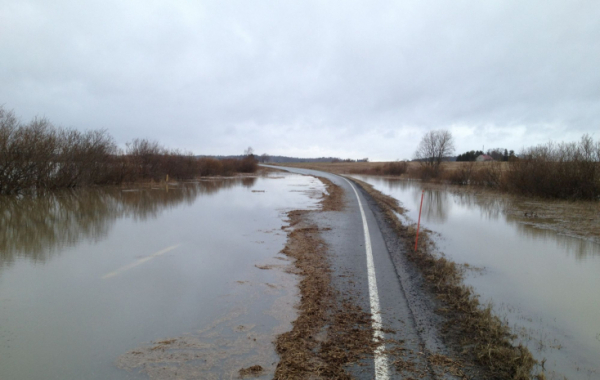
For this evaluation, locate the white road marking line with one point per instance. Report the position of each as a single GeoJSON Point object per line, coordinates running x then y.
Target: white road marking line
{"type": "Point", "coordinates": [139, 262]}
{"type": "Point", "coordinates": [381, 360]}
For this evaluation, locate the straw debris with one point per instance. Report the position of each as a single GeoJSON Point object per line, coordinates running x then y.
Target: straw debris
{"type": "Point", "coordinates": [330, 333]}
{"type": "Point", "coordinates": [252, 371]}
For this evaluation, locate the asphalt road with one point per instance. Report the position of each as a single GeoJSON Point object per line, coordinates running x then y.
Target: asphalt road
{"type": "Point", "coordinates": [380, 279]}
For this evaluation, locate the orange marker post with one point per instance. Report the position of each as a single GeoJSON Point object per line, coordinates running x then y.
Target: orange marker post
{"type": "Point", "coordinates": [419, 223]}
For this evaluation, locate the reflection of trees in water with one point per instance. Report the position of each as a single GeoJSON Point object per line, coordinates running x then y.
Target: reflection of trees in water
{"type": "Point", "coordinates": [493, 206]}
{"type": "Point", "coordinates": [436, 203]}
{"type": "Point", "coordinates": [402, 184]}
{"type": "Point", "coordinates": [39, 226]}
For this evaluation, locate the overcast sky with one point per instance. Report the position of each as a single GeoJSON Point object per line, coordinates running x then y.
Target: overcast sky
{"type": "Point", "coordinates": [307, 78]}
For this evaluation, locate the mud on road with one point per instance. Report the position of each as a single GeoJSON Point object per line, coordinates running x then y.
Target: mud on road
{"type": "Point", "coordinates": [331, 332]}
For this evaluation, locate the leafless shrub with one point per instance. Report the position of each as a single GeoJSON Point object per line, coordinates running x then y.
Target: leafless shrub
{"type": "Point", "coordinates": [395, 168]}
{"type": "Point", "coordinates": [228, 166]}
{"type": "Point", "coordinates": [462, 176]}
{"type": "Point", "coordinates": [489, 174]}
{"type": "Point", "coordinates": [565, 170]}
{"type": "Point", "coordinates": [248, 164]}
{"type": "Point", "coordinates": [208, 166]}
{"type": "Point", "coordinates": [38, 156]}
{"type": "Point", "coordinates": [425, 172]}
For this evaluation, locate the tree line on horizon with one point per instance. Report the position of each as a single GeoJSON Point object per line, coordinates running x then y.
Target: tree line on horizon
{"type": "Point", "coordinates": [566, 170]}
{"type": "Point", "coordinates": [498, 154]}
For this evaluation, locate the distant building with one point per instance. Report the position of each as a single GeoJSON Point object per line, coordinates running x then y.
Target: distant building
{"type": "Point", "coordinates": [483, 157]}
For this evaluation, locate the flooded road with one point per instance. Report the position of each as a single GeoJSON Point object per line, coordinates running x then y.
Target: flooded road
{"type": "Point", "coordinates": [544, 283]}
{"type": "Point", "coordinates": [93, 280]}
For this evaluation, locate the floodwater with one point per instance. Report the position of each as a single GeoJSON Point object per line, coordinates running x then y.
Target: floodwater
{"type": "Point", "coordinates": [544, 283]}
{"type": "Point", "coordinates": [147, 283]}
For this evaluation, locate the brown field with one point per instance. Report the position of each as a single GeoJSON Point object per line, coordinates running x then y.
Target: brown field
{"type": "Point", "coordinates": [413, 171]}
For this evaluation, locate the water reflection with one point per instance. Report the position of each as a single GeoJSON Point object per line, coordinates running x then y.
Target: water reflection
{"type": "Point", "coordinates": [37, 227]}
{"type": "Point", "coordinates": [579, 248]}
{"type": "Point", "coordinates": [439, 204]}
{"type": "Point", "coordinates": [491, 207]}
{"type": "Point", "coordinates": [436, 205]}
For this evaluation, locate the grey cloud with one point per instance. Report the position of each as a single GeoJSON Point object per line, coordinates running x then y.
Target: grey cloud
{"type": "Point", "coordinates": [311, 78]}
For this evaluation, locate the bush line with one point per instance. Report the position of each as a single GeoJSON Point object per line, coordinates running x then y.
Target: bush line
{"type": "Point", "coordinates": [38, 156]}
{"type": "Point", "coordinates": [560, 171]}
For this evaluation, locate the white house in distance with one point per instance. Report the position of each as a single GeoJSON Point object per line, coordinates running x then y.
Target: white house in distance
{"type": "Point", "coordinates": [483, 158]}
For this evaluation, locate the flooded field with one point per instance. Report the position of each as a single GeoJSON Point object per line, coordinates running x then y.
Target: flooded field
{"type": "Point", "coordinates": [179, 282]}
{"type": "Point", "coordinates": [541, 274]}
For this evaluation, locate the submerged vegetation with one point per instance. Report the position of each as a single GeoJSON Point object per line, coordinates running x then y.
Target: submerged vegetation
{"type": "Point", "coordinates": [38, 155]}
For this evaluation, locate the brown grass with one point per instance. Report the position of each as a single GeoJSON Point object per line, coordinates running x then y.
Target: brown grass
{"type": "Point", "coordinates": [413, 169]}
{"type": "Point", "coordinates": [482, 337]}
{"type": "Point", "coordinates": [334, 201]}
{"type": "Point", "coordinates": [251, 371]}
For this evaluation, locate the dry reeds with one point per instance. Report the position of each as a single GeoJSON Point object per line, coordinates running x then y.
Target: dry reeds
{"type": "Point", "coordinates": [396, 168]}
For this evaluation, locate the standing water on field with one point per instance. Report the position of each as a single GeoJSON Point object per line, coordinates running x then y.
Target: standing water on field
{"type": "Point", "coordinates": [168, 282]}
{"type": "Point", "coordinates": [542, 281]}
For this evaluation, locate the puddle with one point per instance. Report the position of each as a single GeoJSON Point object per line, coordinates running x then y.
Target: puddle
{"type": "Point", "coordinates": [534, 260]}
{"type": "Point", "coordinates": [147, 282]}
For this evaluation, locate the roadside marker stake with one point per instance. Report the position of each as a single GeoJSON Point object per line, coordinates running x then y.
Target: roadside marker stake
{"type": "Point", "coordinates": [419, 223]}
{"type": "Point", "coordinates": [381, 361]}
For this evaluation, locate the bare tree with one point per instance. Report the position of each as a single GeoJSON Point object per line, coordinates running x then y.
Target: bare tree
{"type": "Point", "coordinates": [264, 158]}
{"type": "Point", "coordinates": [434, 146]}
{"type": "Point", "coordinates": [249, 152]}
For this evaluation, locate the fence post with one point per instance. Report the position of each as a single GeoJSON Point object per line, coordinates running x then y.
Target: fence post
{"type": "Point", "coordinates": [419, 223]}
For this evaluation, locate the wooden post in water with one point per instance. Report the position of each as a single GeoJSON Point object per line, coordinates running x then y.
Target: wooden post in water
{"type": "Point", "coordinates": [419, 223]}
